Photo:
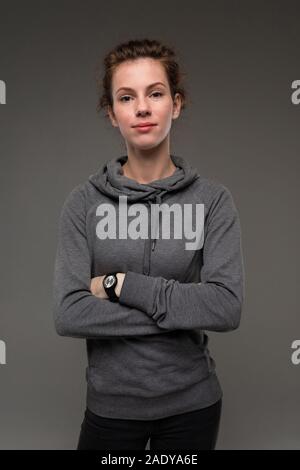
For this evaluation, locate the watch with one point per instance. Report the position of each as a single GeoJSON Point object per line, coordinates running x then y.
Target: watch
{"type": "Point", "coordinates": [109, 283]}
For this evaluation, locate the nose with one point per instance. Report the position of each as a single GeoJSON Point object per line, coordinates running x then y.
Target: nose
{"type": "Point", "coordinates": [142, 108]}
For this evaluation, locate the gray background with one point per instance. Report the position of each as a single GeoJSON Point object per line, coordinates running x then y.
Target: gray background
{"type": "Point", "coordinates": [241, 129]}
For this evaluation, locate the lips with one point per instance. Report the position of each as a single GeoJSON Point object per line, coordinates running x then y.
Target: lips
{"type": "Point", "coordinates": [146, 124]}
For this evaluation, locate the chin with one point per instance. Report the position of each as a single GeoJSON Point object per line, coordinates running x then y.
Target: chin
{"type": "Point", "coordinates": [146, 147]}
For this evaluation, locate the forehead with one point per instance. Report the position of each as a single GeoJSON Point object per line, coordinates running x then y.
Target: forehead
{"type": "Point", "coordinates": [139, 73]}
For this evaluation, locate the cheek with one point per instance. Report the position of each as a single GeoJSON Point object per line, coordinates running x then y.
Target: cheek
{"type": "Point", "coordinates": [124, 121]}
{"type": "Point", "coordinates": [123, 117]}
{"type": "Point", "coordinates": [165, 119]}
{"type": "Point", "coordinates": [166, 113]}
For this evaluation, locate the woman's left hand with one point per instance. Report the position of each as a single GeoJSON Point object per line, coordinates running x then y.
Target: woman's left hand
{"type": "Point", "coordinates": [97, 288]}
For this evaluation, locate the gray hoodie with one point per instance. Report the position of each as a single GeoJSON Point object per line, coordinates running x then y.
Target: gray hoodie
{"type": "Point", "coordinates": [147, 353]}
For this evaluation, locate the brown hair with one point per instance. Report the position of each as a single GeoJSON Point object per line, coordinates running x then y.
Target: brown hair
{"type": "Point", "coordinates": [134, 49]}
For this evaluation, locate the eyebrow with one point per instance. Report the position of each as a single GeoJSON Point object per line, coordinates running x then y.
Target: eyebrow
{"type": "Point", "coordinates": [149, 86]}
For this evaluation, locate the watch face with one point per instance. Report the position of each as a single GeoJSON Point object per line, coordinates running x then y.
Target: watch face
{"type": "Point", "coordinates": [109, 281]}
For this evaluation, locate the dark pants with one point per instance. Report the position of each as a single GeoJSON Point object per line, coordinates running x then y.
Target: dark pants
{"type": "Point", "coordinates": [195, 430]}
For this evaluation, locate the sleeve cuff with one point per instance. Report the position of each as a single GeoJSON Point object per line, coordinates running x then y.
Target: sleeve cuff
{"type": "Point", "coordinates": [139, 291]}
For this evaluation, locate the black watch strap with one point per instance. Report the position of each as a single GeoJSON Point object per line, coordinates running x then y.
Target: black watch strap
{"type": "Point", "coordinates": [110, 290]}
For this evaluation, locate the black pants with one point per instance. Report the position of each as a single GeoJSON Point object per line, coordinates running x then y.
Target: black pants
{"type": "Point", "coordinates": [195, 430]}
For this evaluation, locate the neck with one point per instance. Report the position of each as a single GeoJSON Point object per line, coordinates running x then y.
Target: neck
{"type": "Point", "coordinates": [146, 167]}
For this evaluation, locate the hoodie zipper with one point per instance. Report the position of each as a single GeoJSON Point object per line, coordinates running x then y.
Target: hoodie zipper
{"type": "Point", "coordinates": [153, 244]}
{"type": "Point", "coordinates": [150, 243]}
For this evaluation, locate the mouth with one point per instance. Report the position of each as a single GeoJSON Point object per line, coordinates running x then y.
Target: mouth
{"type": "Point", "coordinates": [144, 127]}
{"type": "Point", "coordinates": [148, 124]}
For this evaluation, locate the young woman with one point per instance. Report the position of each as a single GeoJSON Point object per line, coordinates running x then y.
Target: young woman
{"type": "Point", "coordinates": [149, 257]}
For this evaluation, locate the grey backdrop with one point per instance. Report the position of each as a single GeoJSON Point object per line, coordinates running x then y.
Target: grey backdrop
{"type": "Point", "coordinates": [241, 128]}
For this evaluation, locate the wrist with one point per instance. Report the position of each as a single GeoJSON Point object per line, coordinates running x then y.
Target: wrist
{"type": "Point", "coordinates": [120, 277]}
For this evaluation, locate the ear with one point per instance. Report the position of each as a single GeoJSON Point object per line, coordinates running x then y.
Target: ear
{"type": "Point", "coordinates": [112, 117]}
{"type": "Point", "coordinates": [176, 106]}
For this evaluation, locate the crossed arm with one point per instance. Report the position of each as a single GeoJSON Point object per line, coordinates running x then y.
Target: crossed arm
{"type": "Point", "coordinates": [148, 305]}
{"type": "Point", "coordinates": [97, 288]}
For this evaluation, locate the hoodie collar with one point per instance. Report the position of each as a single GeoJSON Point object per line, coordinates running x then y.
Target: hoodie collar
{"type": "Point", "coordinates": [110, 180]}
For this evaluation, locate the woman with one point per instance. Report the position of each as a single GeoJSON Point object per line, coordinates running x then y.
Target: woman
{"type": "Point", "coordinates": [149, 257]}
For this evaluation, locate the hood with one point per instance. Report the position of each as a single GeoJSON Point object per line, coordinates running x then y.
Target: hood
{"type": "Point", "coordinates": [110, 180]}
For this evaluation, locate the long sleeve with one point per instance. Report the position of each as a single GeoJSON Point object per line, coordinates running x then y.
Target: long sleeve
{"type": "Point", "coordinates": [77, 312]}
{"type": "Point", "coordinates": [215, 303]}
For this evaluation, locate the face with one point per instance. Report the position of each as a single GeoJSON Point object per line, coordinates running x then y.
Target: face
{"type": "Point", "coordinates": [138, 98]}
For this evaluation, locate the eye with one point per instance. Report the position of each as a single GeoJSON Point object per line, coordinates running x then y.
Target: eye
{"type": "Point", "coordinates": [121, 99]}
{"type": "Point", "coordinates": [127, 96]}
{"type": "Point", "coordinates": [157, 92]}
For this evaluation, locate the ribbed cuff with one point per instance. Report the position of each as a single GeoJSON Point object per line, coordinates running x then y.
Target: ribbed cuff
{"type": "Point", "coordinates": [139, 291]}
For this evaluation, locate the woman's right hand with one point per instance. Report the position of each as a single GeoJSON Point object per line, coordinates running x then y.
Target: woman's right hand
{"type": "Point", "coordinates": [97, 288]}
